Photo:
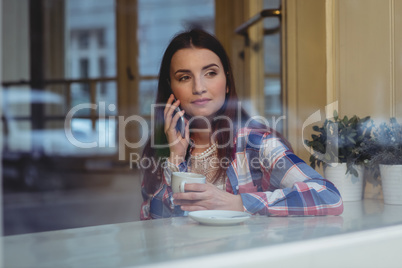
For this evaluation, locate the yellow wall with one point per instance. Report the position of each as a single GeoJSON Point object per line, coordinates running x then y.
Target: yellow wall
{"type": "Point", "coordinates": [344, 51]}
{"type": "Point", "coordinates": [368, 58]}
{"type": "Point", "coordinates": [304, 67]}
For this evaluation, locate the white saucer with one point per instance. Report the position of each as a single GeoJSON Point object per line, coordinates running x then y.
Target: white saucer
{"type": "Point", "coordinates": [219, 217]}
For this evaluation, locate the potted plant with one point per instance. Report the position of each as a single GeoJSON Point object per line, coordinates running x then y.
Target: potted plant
{"type": "Point", "coordinates": [384, 155]}
{"type": "Point", "coordinates": [336, 149]}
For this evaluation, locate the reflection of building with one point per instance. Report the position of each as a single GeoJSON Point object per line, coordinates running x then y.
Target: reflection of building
{"type": "Point", "coordinates": [158, 22]}
{"type": "Point", "coordinates": [87, 50]}
{"type": "Point", "coordinates": [90, 34]}
{"type": "Point", "coordinates": [91, 53]}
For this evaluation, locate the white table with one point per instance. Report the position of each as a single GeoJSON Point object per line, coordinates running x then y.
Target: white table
{"type": "Point", "coordinates": [368, 233]}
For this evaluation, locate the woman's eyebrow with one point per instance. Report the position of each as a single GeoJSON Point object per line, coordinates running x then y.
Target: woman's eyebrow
{"type": "Point", "coordinates": [182, 71]}
{"type": "Point", "coordinates": [209, 66]}
{"type": "Point", "coordinates": [203, 68]}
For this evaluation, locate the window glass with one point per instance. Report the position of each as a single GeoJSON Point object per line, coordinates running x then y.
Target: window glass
{"type": "Point", "coordinates": [59, 182]}
{"type": "Point", "coordinates": [90, 36]}
{"type": "Point", "coordinates": [272, 66]}
{"type": "Point", "coordinates": [90, 53]}
{"type": "Point", "coordinates": [158, 22]}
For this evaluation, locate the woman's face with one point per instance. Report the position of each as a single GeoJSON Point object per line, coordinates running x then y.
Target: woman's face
{"type": "Point", "coordinates": [198, 80]}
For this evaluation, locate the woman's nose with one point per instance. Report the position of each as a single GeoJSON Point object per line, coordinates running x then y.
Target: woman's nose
{"type": "Point", "coordinates": [198, 87]}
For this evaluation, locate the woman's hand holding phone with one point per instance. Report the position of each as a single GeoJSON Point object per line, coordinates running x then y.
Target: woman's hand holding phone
{"type": "Point", "coordinates": [177, 143]}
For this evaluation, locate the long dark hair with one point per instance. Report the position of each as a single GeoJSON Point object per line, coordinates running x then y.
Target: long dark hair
{"type": "Point", "coordinates": [198, 39]}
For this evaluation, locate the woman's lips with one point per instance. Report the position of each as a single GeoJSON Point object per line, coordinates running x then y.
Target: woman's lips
{"type": "Point", "coordinates": [201, 101]}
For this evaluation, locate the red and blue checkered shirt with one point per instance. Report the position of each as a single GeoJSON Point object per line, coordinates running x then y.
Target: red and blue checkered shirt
{"type": "Point", "coordinates": [270, 178]}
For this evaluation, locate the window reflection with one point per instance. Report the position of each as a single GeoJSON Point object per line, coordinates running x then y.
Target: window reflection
{"type": "Point", "coordinates": [273, 107]}
{"type": "Point", "coordinates": [54, 179]}
{"type": "Point", "coordinates": [42, 167]}
{"type": "Point", "coordinates": [90, 53]}
{"type": "Point", "coordinates": [158, 22]}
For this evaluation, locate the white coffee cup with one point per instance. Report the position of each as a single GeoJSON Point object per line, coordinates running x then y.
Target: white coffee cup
{"type": "Point", "coordinates": [179, 180]}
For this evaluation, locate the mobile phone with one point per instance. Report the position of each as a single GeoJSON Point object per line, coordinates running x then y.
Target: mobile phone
{"type": "Point", "coordinates": [181, 126]}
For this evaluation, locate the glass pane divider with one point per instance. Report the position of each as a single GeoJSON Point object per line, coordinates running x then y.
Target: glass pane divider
{"type": "Point", "coordinates": [92, 88]}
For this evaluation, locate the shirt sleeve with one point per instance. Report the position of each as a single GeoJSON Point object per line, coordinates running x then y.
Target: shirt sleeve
{"type": "Point", "coordinates": [160, 204]}
{"type": "Point", "coordinates": [291, 186]}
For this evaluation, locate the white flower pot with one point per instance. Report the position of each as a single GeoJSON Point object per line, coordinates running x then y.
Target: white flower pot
{"type": "Point", "coordinates": [350, 186]}
{"type": "Point", "coordinates": [391, 177]}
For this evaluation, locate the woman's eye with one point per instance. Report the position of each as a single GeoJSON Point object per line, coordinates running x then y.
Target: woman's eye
{"type": "Point", "coordinates": [211, 73]}
{"type": "Point", "coordinates": [184, 78]}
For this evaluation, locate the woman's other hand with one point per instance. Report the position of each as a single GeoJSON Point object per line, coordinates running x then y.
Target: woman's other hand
{"type": "Point", "coordinates": [177, 144]}
{"type": "Point", "coordinates": [207, 197]}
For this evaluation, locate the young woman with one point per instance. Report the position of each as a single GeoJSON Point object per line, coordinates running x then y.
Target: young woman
{"type": "Point", "coordinates": [249, 167]}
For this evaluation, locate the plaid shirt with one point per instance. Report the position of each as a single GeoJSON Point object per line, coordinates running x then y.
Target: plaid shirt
{"type": "Point", "coordinates": [270, 178]}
